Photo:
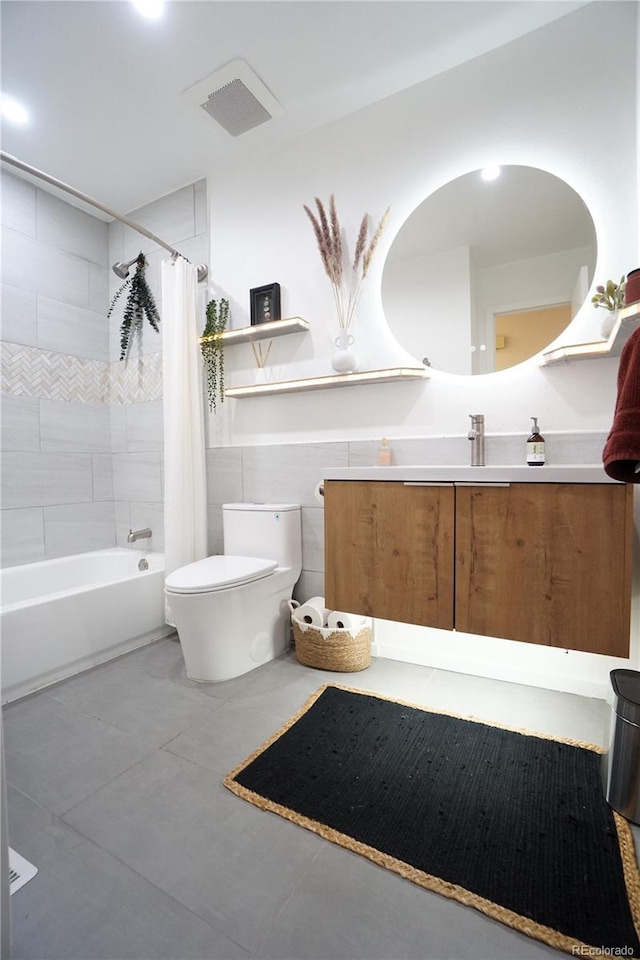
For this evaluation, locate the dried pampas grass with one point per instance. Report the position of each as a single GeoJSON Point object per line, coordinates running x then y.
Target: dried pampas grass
{"type": "Point", "coordinates": [346, 277]}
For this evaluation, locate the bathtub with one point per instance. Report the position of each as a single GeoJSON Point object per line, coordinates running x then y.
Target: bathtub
{"type": "Point", "coordinates": [59, 617]}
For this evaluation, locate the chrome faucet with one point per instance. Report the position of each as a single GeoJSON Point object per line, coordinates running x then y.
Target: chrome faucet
{"type": "Point", "coordinates": [476, 435]}
{"type": "Point", "coordinates": [138, 535]}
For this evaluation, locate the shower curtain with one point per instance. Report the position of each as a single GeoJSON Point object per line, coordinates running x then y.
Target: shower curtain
{"type": "Point", "coordinates": [185, 495]}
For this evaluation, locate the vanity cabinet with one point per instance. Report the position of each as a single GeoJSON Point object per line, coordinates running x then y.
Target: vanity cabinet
{"type": "Point", "coordinates": [543, 563]}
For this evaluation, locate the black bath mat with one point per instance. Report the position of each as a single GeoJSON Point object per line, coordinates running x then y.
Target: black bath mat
{"type": "Point", "coordinates": [511, 823]}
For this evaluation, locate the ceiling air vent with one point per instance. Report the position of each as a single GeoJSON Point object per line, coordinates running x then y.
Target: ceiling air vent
{"type": "Point", "coordinates": [235, 98]}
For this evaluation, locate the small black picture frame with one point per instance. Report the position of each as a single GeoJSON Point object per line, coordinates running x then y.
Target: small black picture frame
{"type": "Point", "coordinates": [265, 303]}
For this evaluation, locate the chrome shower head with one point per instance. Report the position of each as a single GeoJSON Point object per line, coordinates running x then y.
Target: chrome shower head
{"type": "Point", "coordinates": [121, 269]}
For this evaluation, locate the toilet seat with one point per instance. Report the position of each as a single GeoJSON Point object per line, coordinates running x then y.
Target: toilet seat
{"type": "Point", "coordinates": [218, 573]}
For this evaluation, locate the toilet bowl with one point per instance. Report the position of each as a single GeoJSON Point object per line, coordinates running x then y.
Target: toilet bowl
{"type": "Point", "coordinates": [231, 610]}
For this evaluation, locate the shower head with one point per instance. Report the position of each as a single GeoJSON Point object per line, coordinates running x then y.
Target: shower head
{"type": "Point", "coordinates": [121, 269]}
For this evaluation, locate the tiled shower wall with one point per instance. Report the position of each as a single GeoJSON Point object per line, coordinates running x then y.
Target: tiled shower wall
{"type": "Point", "coordinates": [81, 431]}
{"type": "Point", "coordinates": [57, 494]}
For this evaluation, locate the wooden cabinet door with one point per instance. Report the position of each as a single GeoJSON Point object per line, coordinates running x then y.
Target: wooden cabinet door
{"type": "Point", "coordinates": [546, 563]}
{"type": "Point", "coordinates": [389, 551]}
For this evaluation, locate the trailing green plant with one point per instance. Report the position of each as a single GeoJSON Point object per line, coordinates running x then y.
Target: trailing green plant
{"type": "Point", "coordinates": [140, 301]}
{"type": "Point", "coordinates": [610, 296]}
{"type": "Point", "coordinates": [212, 347]}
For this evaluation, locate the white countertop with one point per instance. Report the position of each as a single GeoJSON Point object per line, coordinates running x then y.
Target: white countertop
{"type": "Point", "coordinates": [568, 473]}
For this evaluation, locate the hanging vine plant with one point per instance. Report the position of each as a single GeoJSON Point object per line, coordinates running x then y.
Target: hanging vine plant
{"type": "Point", "coordinates": [212, 347]}
{"type": "Point", "coordinates": [140, 301]}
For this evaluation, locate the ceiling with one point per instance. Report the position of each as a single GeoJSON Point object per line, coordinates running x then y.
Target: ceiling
{"type": "Point", "coordinates": [104, 86]}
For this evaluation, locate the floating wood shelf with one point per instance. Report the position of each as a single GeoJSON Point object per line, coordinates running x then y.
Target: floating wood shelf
{"type": "Point", "coordinates": [628, 321]}
{"type": "Point", "coordinates": [390, 375]}
{"type": "Point", "coordinates": [261, 331]}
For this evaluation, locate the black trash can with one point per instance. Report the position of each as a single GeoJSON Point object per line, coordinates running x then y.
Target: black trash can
{"type": "Point", "coordinates": [621, 765]}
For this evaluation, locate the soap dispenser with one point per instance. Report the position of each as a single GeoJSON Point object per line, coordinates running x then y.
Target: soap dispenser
{"type": "Point", "coordinates": [535, 446]}
{"type": "Point", "coordinates": [384, 454]}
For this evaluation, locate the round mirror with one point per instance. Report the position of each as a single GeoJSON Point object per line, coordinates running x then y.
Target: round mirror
{"type": "Point", "coordinates": [489, 270]}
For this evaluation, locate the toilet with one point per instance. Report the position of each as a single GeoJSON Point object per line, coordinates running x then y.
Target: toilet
{"type": "Point", "coordinates": [231, 610]}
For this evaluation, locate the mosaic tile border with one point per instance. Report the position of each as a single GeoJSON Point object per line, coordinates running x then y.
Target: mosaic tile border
{"type": "Point", "coordinates": [136, 380]}
{"type": "Point", "coordinates": [33, 372]}
{"type": "Point", "coordinates": [45, 374]}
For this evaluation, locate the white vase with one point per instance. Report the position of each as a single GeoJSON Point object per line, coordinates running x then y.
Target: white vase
{"type": "Point", "coordinates": [344, 359]}
{"type": "Point", "coordinates": [260, 375]}
{"type": "Point", "coordinates": [608, 323]}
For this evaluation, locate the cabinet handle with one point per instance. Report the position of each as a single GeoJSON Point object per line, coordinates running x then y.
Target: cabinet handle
{"type": "Point", "coordinates": [427, 483]}
{"type": "Point", "coordinates": [480, 483]}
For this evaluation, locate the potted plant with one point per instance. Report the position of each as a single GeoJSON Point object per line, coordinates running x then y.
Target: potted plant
{"type": "Point", "coordinates": [212, 347]}
{"type": "Point", "coordinates": [139, 302]}
{"type": "Point", "coordinates": [610, 297]}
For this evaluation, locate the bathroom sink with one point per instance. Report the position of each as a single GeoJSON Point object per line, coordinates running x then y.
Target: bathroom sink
{"type": "Point", "coordinates": [565, 473]}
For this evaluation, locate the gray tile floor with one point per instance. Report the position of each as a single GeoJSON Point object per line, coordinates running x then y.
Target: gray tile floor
{"type": "Point", "coordinates": [115, 794]}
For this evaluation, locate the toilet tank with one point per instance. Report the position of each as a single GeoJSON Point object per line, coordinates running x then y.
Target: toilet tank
{"type": "Point", "coordinates": [267, 530]}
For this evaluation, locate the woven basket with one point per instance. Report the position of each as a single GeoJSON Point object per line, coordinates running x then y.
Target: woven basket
{"type": "Point", "coordinates": [341, 650]}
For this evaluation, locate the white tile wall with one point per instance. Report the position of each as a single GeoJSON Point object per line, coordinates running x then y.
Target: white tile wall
{"type": "Point", "coordinates": [118, 413]}
{"type": "Point", "coordinates": [78, 527]}
{"type": "Point", "coordinates": [71, 329]}
{"type": "Point", "coordinates": [224, 475]}
{"type": "Point", "coordinates": [50, 272]}
{"type": "Point", "coordinates": [144, 426]}
{"type": "Point", "coordinates": [20, 423]}
{"type": "Point", "coordinates": [18, 315]}
{"type": "Point", "coordinates": [102, 465]}
{"type": "Point", "coordinates": [137, 476]}
{"type": "Point", "coordinates": [21, 536]}
{"type": "Point", "coordinates": [313, 539]}
{"type": "Point", "coordinates": [18, 204]}
{"type": "Point", "coordinates": [68, 228]}
{"type": "Point", "coordinates": [74, 427]}
{"type": "Point", "coordinates": [289, 473]}
{"type": "Point", "coordinates": [215, 540]}
{"type": "Point", "coordinates": [38, 479]}
{"type": "Point", "coordinates": [98, 288]}
{"type": "Point", "coordinates": [122, 515]}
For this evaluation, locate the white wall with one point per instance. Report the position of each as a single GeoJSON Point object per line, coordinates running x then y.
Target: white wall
{"type": "Point", "coordinates": [539, 100]}
{"type": "Point", "coordinates": [550, 99]}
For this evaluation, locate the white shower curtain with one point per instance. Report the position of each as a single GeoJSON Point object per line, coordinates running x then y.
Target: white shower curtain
{"type": "Point", "coordinates": [185, 492]}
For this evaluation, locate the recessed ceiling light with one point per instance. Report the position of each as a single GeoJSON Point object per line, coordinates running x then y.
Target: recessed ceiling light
{"type": "Point", "coordinates": [152, 9]}
{"type": "Point", "coordinates": [491, 173]}
{"type": "Point", "coordinates": [12, 110]}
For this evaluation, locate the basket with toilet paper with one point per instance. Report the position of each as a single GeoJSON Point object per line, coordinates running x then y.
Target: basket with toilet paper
{"type": "Point", "coordinates": [330, 639]}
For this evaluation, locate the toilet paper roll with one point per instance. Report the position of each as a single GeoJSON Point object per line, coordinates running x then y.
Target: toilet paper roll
{"type": "Point", "coordinates": [313, 612]}
{"type": "Point", "coordinates": [319, 492]}
{"type": "Point", "coordinates": [339, 620]}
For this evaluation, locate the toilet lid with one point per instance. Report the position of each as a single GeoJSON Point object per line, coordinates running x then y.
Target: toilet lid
{"type": "Point", "coordinates": [217, 573]}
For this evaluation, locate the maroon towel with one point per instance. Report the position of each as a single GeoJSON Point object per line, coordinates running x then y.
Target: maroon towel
{"type": "Point", "coordinates": [621, 452]}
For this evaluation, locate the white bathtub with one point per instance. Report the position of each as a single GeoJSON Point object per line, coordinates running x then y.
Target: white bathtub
{"type": "Point", "coordinates": [61, 616]}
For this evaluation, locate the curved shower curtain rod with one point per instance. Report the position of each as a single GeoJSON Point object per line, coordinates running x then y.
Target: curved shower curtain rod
{"type": "Point", "coordinates": [120, 269]}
